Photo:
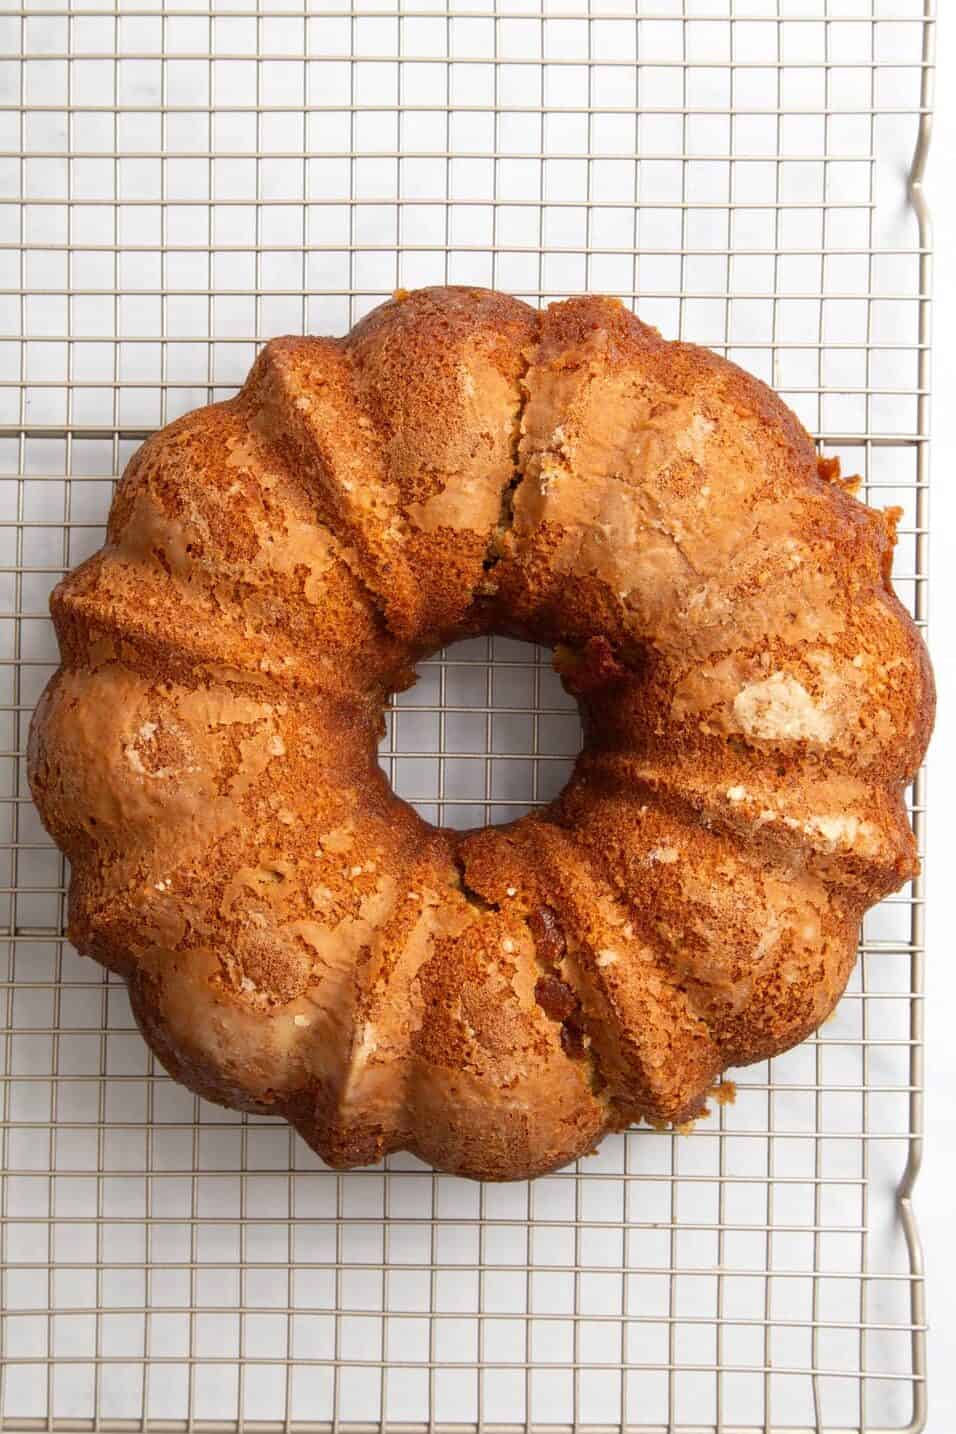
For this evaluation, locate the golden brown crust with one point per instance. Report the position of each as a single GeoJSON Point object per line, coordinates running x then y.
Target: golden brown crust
{"type": "Point", "coordinates": [296, 940]}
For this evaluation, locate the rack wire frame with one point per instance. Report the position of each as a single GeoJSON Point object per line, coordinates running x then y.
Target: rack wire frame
{"type": "Point", "coordinates": [178, 183]}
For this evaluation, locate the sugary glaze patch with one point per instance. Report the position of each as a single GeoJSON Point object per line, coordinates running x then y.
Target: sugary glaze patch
{"type": "Point", "coordinates": [296, 940]}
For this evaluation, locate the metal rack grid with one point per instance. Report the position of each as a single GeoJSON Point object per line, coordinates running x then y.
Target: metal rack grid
{"type": "Point", "coordinates": [176, 185]}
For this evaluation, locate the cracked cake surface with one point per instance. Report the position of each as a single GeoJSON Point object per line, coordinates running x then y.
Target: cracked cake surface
{"type": "Point", "coordinates": [295, 939]}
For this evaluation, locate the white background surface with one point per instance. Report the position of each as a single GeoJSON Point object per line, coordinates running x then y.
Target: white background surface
{"type": "Point", "coordinates": [936, 1197]}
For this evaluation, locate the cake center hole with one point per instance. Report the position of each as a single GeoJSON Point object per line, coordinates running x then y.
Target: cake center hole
{"type": "Point", "coordinates": [486, 734]}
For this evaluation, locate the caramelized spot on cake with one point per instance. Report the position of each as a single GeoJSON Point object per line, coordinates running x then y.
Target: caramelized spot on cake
{"type": "Point", "coordinates": [589, 668]}
{"type": "Point", "coordinates": [572, 1039]}
{"type": "Point", "coordinates": [549, 941]}
{"type": "Point", "coordinates": [555, 997]}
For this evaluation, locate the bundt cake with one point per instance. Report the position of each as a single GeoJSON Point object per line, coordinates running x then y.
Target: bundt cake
{"type": "Point", "coordinates": [295, 938]}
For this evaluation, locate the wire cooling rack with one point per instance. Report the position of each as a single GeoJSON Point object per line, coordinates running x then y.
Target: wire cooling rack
{"type": "Point", "coordinates": [176, 186]}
